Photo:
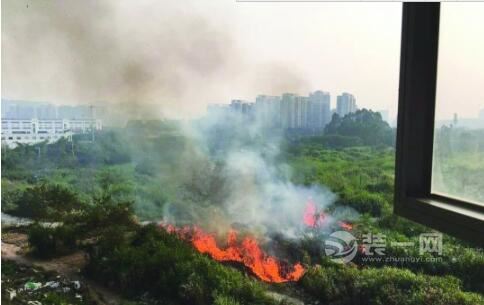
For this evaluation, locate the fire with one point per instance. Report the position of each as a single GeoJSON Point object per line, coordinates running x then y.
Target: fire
{"type": "Point", "coordinates": [248, 252]}
{"type": "Point", "coordinates": [345, 225]}
{"type": "Point", "coordinates": [311, 217]}
{"type": "Point", "coordinates": [316, 219]}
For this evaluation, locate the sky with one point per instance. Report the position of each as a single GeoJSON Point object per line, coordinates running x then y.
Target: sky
{"type": "Point", "coordinates": [182, 55]}
{"type": "Point", "coordinates": [460, 76]}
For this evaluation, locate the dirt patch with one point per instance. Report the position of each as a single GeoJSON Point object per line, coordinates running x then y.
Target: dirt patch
{"type": "Point", "coordinates": [13, 252]}
{"type": "Point", "coordinates": [18, 239]}
{"type": "Point", "coordinates": [15, 249]}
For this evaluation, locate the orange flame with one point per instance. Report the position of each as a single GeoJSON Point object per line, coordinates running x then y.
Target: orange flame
{"type": "Point", "coordinates": [345, 225]}
{"type": "Point", "coordinates": [315, 219]}
{"type": "Point", "coordinates": [248, 252]}
{"type": "Point", "coordinates": [311, 217]}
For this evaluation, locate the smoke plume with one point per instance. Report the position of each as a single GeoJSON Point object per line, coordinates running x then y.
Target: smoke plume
{"type": "Point", "coordinates": [235, 176]}
{"type": "Point", "coordinates": [141, 61]}
{"type": "Point", "coordinates": [138, 60]}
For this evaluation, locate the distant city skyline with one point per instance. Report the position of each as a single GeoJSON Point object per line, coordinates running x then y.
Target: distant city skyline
{"type": "Point", "coordinates": [47, 110]}
{"type": "Point", "coordinates": [17, 109]}
{"type": "Point", "coordinates": [183, 56]}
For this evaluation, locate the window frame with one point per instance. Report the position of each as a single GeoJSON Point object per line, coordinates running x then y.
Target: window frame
{"type": "Point", "coordinates": [414, 199]}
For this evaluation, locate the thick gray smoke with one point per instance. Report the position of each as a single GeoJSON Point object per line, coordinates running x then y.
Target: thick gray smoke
{"type": "Point", "coordinates": [235, 165]}
{"type": "Point", "coordinates": [82, 46]}
{"type": "Point", "coordinates": [143, 59]}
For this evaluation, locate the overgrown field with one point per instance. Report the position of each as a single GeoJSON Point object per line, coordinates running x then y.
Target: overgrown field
{"type": "Point", "coordinates": [100, 191]}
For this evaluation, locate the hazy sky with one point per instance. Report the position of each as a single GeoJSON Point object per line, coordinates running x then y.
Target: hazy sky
{"type": "Point", "coordinates": [183, 55]}
{"type": "Point", "coordinates": [460, 78]}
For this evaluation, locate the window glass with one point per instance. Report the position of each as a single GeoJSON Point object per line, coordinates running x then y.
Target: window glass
{"type": "Point", "coordinates": [458, 164]}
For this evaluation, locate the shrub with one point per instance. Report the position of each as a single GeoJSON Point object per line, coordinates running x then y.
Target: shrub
{"type": "Point", "coordinates": [52, 241]}
{"type": "Point", "coordinates": [224, 300]}
{"type": "Point", "coordinates": [46, 202]}
{"type": "Point", "coordinates": [166, 267]}
{"type": "Point", "coordinates": [364, 202]}
{"type": "Point", "coordinates": [385, 286]}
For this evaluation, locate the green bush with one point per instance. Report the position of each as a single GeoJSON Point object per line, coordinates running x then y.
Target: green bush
{"type": "Point", "coordinates": [385, 286]}
{"type": "Point", "coordinates": [365, 124]}
{"type": "Point", "coordinates": [52, 241]}
{"type": "Point", "coordinates": [166, 267]}
{"type": "Point", "coordinates": [364, 202]}
{"type": "Point", "coordinates": [46, 202]}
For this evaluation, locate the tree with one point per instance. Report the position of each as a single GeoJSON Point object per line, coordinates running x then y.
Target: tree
{"type": "Point", "coordinates": [46, 202]}
{"type": "Point", "coordinates": [365, 124]}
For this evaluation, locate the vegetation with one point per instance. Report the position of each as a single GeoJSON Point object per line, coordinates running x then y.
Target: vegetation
{"type": "Point", "coordinates": [364, 124]}
{"type": "Point", "coordinates": [134, 169]}
{"type": "Point", "coordinates": [153, 261]}
{"type": "Point", "coordinates": [90, 195]}
{"type": "Point", "coordinates": [45, 202]}
{"type": "Point", "coordinates": [96, 220]}
{"type": "Point", "coordinates": [459, 163]}
{"type": "Point", "coordinates": [340, 284]}
{"type": "Point", "coordinates": [363, 179]}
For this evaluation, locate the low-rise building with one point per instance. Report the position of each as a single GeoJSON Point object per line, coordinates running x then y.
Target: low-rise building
{"type": "Point", "coordinates": [31, 131]}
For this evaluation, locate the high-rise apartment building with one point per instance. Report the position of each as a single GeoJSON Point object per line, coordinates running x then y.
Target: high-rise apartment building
{"type": "Point", "coordinates": [288, 110]}
{"type": "Point", "coordinates": [236, 106]}
{"type": "Point", "coordinates": [242, 107]}
{"type": "Point", "coordinates": [319, 109]}
{"type": "Point", "coordinates": [345, 103]}
{"type": "Point", "coordinates": [291, 111]}
{"type": "Point", "coordinates": [268, 110]}
{"type": "Point", "coordinates": [302, 112]}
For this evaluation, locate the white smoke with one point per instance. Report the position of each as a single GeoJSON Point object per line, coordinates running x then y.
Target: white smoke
{"type": "Point", "coordinates": [237, 164]}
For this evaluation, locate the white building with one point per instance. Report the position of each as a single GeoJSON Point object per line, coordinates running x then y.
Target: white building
{"type": "Point", "coordinates": [319, 108]}
{"type": "Point", "coordinates": [268, 110]}
{"type": "Point", "coordinates": [302, 107]}
{"type": "Point", "coordinates": [242, 107]}
{"type": "Point", "coordinates": [288, 110]}
{"type": "Point", "coordinates": [345, 103]}
{"type": "Point", "coordinates": [31, 131]}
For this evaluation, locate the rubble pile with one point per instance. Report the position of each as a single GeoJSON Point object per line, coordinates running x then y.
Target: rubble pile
{"type": "Point", "coordinates": [28, 285]}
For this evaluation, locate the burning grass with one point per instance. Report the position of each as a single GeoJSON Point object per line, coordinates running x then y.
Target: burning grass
{"type": "Point", "coordinates": [246, 251]}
